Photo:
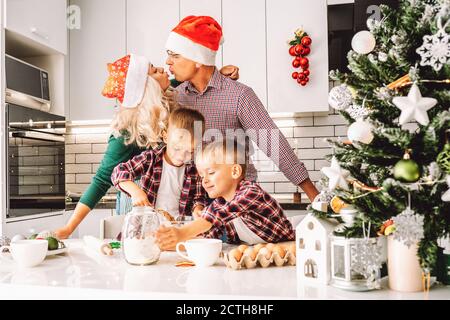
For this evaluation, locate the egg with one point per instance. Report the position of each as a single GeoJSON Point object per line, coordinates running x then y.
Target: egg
{"type": "Point", "coordinates": [236, 254]}
{"type": "Point", "coordinates": [242, 247]}
{"type": "Point", "coordinates": [291, 249]}
{"type": "Point", "coordinates": [258, 247]}
{"type": "Point", "coordinates": [18, 237]}
{"type": "Point", "coordinates": [265, 252]}
{"type": "Point", "coordinates": [279, 250]}
{"type": "Point", "coordinates": [251, 253]}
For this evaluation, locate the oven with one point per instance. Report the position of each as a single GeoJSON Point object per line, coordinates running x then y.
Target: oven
{"type": "Point", "coordinates": [35, 161]}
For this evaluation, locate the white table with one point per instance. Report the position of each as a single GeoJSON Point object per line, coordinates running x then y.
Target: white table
{"type": "Point", "coordinates": [83, 274]}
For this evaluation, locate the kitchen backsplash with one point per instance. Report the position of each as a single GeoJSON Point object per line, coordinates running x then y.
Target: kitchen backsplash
{"type": "Point", "coordinates": [86, 144]}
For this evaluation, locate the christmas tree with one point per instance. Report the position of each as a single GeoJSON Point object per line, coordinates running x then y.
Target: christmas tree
{"type": "Point", "coordinates": [396, 98]}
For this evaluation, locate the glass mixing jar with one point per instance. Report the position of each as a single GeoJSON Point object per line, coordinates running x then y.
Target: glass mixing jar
{"type": "Point", "coordinates": [139, 236]}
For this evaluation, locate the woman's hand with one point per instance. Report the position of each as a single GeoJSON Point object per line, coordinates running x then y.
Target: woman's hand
{"type": "Point", "coordinates": [168, 237]}
{"type": "Point", "coordinates": [139, 199]}
{"type": "Point", "coordinates": [230, 71]}
{"type": "Point", "coordinates": [63, 233]}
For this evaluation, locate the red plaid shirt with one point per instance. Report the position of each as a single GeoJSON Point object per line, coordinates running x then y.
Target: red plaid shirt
{"type": "Point", "coordinates": [149, 165]}
{"type": "Point", "coordinates": [230, 105]}
{"type": "Point", "coordinates": [260, 212]}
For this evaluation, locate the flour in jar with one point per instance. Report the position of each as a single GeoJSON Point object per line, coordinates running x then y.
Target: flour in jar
{"type": "Point", "coordinates": [141, 251]}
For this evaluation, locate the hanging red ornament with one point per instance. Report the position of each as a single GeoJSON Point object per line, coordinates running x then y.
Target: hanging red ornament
{"type": "Point", "coordinates": [291, 51]}
{"type": "Point", "coordinates": [306, 41]}
{"type": "Point", "coordinates": [306, 51]}
{"type": "Point", "coordinates": [304, 62]}
{"type": "Point", "coordinates": [299, 47]}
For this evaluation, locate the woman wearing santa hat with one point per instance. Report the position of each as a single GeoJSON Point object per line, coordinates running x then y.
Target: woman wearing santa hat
{"type": "Point", "coordinates": [145, 100]}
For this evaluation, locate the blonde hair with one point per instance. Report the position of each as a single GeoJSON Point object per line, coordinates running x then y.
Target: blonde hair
{"type": "Point", "coordinates": [227, 151]}
{"type": "Point", "coordinates": [145, 124]}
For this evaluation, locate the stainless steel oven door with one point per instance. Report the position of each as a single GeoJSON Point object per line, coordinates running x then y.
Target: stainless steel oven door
{"type": "Point", "coordinates": [36, 162]}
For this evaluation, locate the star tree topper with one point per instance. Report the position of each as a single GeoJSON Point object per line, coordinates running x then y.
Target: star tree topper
{"type": "Point", "coordinates": [336, 175]}
{"type": "Point", "coordinates": [414, 106]}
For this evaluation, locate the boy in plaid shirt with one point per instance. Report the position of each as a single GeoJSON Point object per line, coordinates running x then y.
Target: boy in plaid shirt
{"type": "Point", "coordinates": [241, 209]}
{"type": "Point", "coordinates": [169, 179]}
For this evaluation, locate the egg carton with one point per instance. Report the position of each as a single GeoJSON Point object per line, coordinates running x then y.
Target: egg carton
{"type": "Point", "coordinates": [263, 258]}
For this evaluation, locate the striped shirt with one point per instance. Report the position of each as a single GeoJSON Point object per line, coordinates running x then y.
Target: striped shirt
{"type": "Point", "coordinates": [148, 166]}
{"type": "Point", "coordinates": [229, 105]}
{"type": "Point", "coordinates": [261, 213]}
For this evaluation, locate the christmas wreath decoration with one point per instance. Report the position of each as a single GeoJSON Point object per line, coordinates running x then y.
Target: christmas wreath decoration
{"type": "Point", "coordinates": [300, 47]}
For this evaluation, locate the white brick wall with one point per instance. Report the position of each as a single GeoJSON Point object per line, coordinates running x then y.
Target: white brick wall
{"type": "Point", "coordinates": [85, 147]}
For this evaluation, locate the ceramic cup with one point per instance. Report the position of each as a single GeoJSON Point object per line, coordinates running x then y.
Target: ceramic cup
{"type": "Point", "coordinates": [203, 252]}
{"type": "Point", "coordinates": [27, 253]}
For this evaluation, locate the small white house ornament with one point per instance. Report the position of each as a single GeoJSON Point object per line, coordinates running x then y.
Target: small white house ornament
{"type": "Point", "coordinates": [313, 249]}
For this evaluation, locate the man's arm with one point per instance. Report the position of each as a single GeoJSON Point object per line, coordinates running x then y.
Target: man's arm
{"type": "Point", "coordinates": [253, 115]}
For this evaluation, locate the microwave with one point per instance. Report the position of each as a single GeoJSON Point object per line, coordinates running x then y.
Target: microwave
{"type": "Point", "coordinates": [26, 84]}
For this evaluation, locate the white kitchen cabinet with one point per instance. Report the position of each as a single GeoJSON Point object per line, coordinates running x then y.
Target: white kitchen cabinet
{"type": "Point", "coordinates": [210, 8]}
{"type": "Point", "coordinates": [32, 226]}
{"type": "Point", "coordinates": [100, 40]}
{"type": "Point", "coordinates": [149, 23]}
{"type": "Point", "coordinates": [43, 21]}
{"type": "Point", "coordinates": [245, 42]}
{"type": "Point", "coordinates": [284, 93]}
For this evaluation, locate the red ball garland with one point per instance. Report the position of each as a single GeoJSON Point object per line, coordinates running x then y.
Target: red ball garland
{"type": "Point", "coordinates": [300, 48]}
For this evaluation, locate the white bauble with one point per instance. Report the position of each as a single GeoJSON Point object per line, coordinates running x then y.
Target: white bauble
{"type": "Point", "coordinates": [340, 97]}
{"type": "Point", "coordinates": [360, 131]}
{"type": "Point", "coordinates": [18, 237]}
{"type": "Point", "coordinates": [363, 42]}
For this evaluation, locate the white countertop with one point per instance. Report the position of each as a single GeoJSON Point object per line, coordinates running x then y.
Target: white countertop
{"type": "Point", "coordinates": [82, 274]}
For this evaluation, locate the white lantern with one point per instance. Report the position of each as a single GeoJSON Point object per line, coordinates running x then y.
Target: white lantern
{"type": "Point", "coordinates": [360, 131]}
{"type": "Point", "coordinates": [363, 42]}
{"type": "Point", "coordinates": [344, 270]}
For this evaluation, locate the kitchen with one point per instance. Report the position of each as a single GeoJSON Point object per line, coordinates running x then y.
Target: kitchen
{"type": "Point", "coordinates": [71, 42]}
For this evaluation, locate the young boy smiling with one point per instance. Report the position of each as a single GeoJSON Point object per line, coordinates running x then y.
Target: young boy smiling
{"type": "Point", "coordinates": [242, 210]}
{"type": "Point", "coordinates": [168, 178]}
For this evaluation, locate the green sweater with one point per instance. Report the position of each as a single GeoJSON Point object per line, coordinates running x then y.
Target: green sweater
{"type": "Point", "coordinates": [116, 153]}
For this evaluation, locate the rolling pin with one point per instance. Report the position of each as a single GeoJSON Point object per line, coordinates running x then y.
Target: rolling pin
{"type": "Point", "coordinates": [98, 245]}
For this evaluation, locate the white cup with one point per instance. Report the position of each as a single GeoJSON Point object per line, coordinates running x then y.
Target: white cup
{"type": "Point", "coordinates": [203, 252]}
{"type": "Point", "coordinates": [27, 253]}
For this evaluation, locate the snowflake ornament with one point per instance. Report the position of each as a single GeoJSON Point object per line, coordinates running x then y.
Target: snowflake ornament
{"type": "Point", "coordinates": [366, 260]}
{"type": "Point", "coordinates": [408, 227]}
{"type": "Point", "coordinates": [435, 50]}
{"type": "Point", "coordinates": [446, 196]}
{"type": "Point", "coordinates": [356, 112]}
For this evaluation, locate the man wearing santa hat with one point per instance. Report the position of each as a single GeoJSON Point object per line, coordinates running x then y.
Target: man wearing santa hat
{"type": "Point", "coordinates": [226, 104]}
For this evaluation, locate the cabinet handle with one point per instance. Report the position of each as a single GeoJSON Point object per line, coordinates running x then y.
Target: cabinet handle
{"type": "Point", "coordinates": [35, 31]}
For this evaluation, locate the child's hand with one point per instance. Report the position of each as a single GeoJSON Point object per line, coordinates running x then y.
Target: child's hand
{"type": "Point", "coordinates": [197, 213]}
{"type": "Point", "coordinates": [168, 237]}
{"type": "Point", "coordinates": [139, 199]}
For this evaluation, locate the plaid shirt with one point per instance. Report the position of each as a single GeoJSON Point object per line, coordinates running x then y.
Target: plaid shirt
{"type": "Point", "coordinates": [258, 210]}
{"type": "Point", "coordinates": [149, 165]}
{"type": "Point", "coordinates": [230, 105]}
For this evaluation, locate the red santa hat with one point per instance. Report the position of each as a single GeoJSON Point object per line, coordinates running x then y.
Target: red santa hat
{"type": "Point", "coordinates": [196, 38]}
{"type": "Point", "coordinates": [127, 79]}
